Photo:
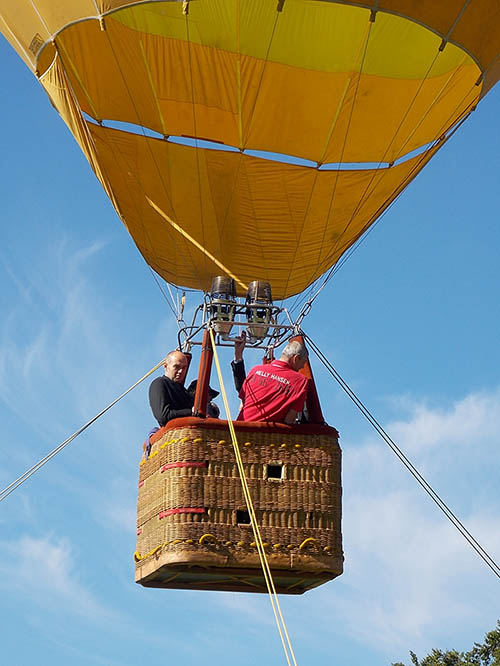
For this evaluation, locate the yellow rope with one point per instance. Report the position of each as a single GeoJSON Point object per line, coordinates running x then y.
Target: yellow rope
{"type": "Point", "coordinates": [205, 537]}
{"type": "Point", "coordinates": [197, 245]}
{"type": "Point", "coordinates": [138, 557]}
{"type": "Point", "coordinates": [280, 622]}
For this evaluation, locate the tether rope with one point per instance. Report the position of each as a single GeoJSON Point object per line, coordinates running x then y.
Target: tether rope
{"type": "Point", "coordinates": [280, 622]}
{"type": "Point", "coordinates": [32, 470]}
{"type": "Point", "coordinates": [488, 560]}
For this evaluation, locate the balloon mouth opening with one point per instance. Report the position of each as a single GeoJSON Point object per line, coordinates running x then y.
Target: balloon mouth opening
{"type": "Point", "coordinates": [207, 144]}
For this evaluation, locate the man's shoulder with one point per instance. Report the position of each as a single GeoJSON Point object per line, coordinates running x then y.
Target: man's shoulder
{"type": "Point", "coordinates": [262, 367]}
{"type": "Point", "coordinates": [298, 379]}
{"type": "Point", "coordinates": [160, 382]}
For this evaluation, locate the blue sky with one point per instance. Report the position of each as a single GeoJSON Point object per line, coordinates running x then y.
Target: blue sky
{"type": "Point", "coordinates": [412, 323]}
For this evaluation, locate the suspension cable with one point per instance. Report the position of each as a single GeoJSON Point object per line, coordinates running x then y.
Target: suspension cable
{"type": "Point", "coordinates": [488, 560]}
{"type": "Point", "coordinates": [32, 470]}
{"type": "Point", "coordinates": [171, 304]}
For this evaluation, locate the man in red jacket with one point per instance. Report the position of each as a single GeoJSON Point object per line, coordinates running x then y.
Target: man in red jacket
{"type": "Point", "coordinates": [276, 391]}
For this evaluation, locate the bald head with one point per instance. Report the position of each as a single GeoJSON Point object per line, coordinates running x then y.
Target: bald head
{"type": "Point", "coordinates": [176, 366]}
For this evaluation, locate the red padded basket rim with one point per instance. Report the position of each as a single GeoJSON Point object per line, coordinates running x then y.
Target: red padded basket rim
{"type": "Point", "coordinates": [245, 426]}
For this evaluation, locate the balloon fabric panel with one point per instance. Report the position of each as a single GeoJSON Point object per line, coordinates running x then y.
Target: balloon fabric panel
{"type": "Point", "coordinates": [317, 83]}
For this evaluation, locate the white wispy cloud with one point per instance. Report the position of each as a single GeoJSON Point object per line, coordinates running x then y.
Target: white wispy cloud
{"type": "Point", "coordinates": [410, 579]}
{"type": "Point", "coordinates": [44, 570]}
{"type": "Point", "coordinates": [461, 424]}
{"type": "Point", "coordinates": [43, 576]}
{"type": "Point", "coordinates": [71, 358]}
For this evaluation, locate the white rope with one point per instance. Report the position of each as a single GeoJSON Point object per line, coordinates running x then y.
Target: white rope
{"type": "Point", "coordinates": [32, 470]}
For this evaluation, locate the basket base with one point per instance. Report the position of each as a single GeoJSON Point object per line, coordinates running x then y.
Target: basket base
{"type": "Point", "coordinates": [233, 580]}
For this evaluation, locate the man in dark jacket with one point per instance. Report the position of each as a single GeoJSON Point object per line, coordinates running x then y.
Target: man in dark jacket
{"type": "Point", "coordinates": [168, 397]}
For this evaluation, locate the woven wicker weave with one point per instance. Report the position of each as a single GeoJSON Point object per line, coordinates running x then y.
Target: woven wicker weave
{"type": "Point", "coordinates": [193, 527]}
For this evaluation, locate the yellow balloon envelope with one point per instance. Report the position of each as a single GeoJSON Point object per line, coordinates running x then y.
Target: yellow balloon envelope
{"type": "Point", "coordinates": [256, 138]}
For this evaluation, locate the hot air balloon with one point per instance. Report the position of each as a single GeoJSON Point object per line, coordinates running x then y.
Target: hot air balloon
{"type": "Point", "coordinates": [255, 142]}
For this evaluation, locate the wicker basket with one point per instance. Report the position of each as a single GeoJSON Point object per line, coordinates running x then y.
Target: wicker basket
{"type": "Point", "coordinates": [193, 527]}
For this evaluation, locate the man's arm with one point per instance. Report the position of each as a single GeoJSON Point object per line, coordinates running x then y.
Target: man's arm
{"type": "Point", "coordinates": [238, 365]}
{"type": "Point", "coordinates": [162, 403]}
{"type": "Point", "coordinates": [239, 373]}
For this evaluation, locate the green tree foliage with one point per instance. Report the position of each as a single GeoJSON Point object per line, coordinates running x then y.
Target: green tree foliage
{"type": "Point", "coordinates": [482, 654]}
